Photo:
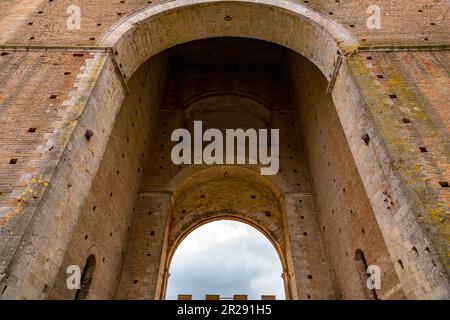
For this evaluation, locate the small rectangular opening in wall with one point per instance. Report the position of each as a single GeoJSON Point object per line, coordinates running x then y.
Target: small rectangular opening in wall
{"type": "Point", "coordinates": [53, 96]}
{"type": "Point", "coordinates": [423, 149]}
{"type": "Point", "coordinates": [78, 54]}
{"type": "Point", "coordinates": [393, 96]}
{"type": "Point", "coordinates": [444, 184]}
{"type": "Point", "coordinates": [32, 130]}
{"type": "Point", "coordinates": [380, 76]}
{"type": "Point", "coordinates": [366, 138]}
{"type": "Point", "coordinates": [13, 161]}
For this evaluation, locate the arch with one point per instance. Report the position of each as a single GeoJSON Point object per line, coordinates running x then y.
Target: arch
{"type": "Point", "coordinates": [182, 179]}
{"type": "Point", "coordinates": [249, 223]}
{"type": "Point", "coordinates": [137, 38]}
{"type": "Point", "coordinates": [225, 216]}
{"type": "Point", "coordinates": [144, 34]}
{"type": "Point", "coordinates": [235, 102]}
{"type": "Point", "coordinates": [267, 216]}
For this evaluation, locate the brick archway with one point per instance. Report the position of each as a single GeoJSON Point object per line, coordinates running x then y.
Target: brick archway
{"type": "Point", "coordinates": [292, 25]}
{"type": "Point", "coordinates": [103, 86]}
{"type": "Point", "coordinates": [208, 217]}
{"type": "Point", "coordinates": [248, 186]}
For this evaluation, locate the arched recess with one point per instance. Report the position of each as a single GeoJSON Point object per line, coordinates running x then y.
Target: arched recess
{"type": "Point", "coordinates": [86, 278]}
{"type": "Point", "coordinates": [262, 233]}
{"type": "Point", "coordinates": [244, 111]}
{"type": "Point", "coordinates": [227, 192]}
{"type": "Point", "coordinates": [362, 266]}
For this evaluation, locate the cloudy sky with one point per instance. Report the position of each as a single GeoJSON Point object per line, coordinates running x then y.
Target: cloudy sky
{"type": "Point", "coordinates": [226, 258]}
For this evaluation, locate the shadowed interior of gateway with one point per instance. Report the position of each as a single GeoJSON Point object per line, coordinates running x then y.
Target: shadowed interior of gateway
{"type": "Point", "coordinates": [315, 210]}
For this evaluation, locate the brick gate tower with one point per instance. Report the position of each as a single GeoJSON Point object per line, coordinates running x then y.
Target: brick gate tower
{"type": "Point", "coordinates": [92, 93]}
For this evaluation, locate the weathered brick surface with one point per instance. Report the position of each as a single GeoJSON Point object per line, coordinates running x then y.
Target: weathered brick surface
{"type": "Point", "coordinates": [27, 83]}
{"type": "Point", "coordinates": [107, 215]}
{"type": "Point", "coordinates": [346, 219]}
{"type": "Point", "coordinates": [404, 21]}
{"type": "Point", "coordinates": [419, 80]}
{"type": "Point", "coordinates": [404, 93]}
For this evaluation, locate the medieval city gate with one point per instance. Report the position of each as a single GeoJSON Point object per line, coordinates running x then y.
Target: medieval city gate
{"type": "Point", "coordinates": [118, 198]}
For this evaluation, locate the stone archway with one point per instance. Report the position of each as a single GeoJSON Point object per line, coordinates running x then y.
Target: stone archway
{"type": "Point", "coordinates": [133, 42]}
{"type": "Point", "coordinates": [244, 187]}
{"type": "Point", "coordinates": [152, 30]}
{"type": "Point", "coordinates": [232, 223]}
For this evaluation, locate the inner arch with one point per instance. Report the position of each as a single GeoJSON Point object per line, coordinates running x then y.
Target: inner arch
{"type": "Point", "coordinates": [225, 257]}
